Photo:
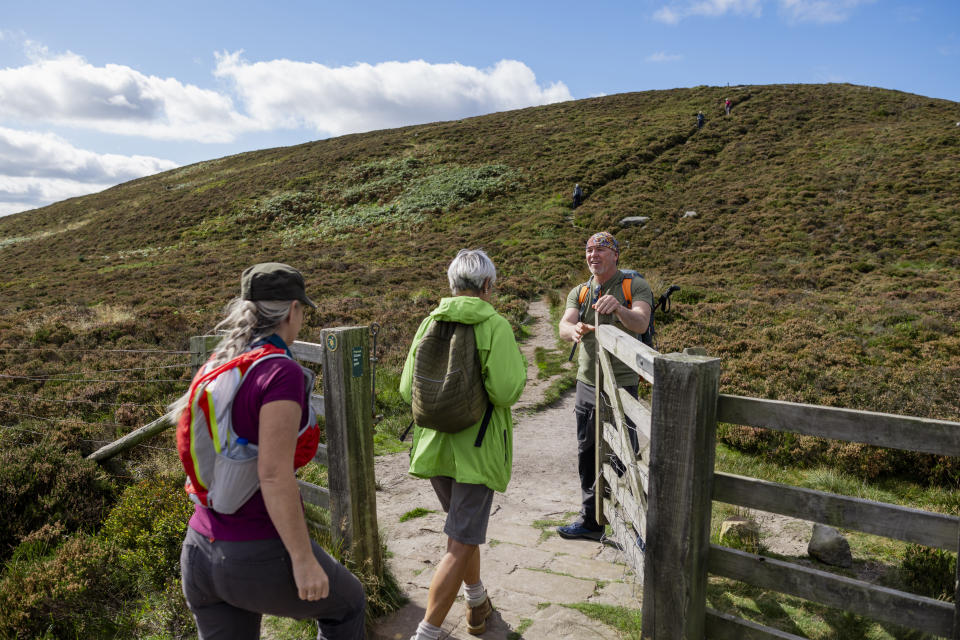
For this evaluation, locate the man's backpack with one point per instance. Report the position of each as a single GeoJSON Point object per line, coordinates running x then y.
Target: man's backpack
{"type": "Point", "coordinates": [663, 303]}
{"type": "Point", "coordinates": [448, 391]}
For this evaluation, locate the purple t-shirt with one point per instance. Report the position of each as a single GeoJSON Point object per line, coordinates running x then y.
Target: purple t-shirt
{"type": "Point", "coordinates": [269, 381]}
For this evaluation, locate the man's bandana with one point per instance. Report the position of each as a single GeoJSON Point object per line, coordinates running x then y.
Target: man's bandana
{"type": "Point", "coordinates": [604, 239]}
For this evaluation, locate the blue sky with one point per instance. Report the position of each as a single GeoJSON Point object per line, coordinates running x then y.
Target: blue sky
{"type": "Point", "coordinates": [96, 93]}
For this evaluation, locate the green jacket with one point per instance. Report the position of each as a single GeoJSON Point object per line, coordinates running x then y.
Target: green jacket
{"type": "Point", "coordinates": [504, 375]}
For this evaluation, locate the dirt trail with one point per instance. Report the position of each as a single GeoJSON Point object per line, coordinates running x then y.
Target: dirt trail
{"type": "Point", "coordinates": [528, 575]}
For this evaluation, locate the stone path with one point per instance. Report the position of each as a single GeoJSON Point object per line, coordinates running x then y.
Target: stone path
{"type": "Point", "coordinates": [529, 572]}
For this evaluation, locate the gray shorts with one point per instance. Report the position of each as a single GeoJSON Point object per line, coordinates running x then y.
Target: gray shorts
{"type": "Point", "coordinates": [467, 507]}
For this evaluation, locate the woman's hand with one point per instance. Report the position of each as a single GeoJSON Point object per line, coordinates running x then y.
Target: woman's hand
{"type": "Point", "coordinates": [312, 581]}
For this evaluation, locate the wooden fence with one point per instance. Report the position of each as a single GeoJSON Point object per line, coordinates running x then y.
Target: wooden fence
{"type": "Point", "coordinates": [660, 507]}
{"type": "Point", "coordinates": [346, 405]}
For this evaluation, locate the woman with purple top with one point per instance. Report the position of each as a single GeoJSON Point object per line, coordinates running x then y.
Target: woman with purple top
{"type": "Point", "coordinates": [258, 558]}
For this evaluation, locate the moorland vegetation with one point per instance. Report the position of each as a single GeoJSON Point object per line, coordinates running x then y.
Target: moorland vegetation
{"type": "Point", "coordinates": [822, 264]}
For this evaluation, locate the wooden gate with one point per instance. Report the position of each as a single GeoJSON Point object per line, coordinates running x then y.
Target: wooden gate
{"type": "Point", "coordinates": [660, 507]}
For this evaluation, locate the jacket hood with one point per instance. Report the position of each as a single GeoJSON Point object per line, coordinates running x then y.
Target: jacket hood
{"type": "Point", "coordinates": [465, 309]}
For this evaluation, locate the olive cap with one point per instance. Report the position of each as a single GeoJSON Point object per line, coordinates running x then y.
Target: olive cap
{"type": "Point", "coordinates": [273, 281]}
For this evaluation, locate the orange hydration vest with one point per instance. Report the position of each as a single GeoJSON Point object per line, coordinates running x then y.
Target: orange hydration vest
{"type": "Point", "coordinates": [222, 467]}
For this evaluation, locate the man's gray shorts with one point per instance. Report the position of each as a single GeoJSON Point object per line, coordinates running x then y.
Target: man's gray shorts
{"type": "Point", "coordinates": [467, 507]}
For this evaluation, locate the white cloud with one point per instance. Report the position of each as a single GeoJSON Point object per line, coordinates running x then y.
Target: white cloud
{"type": "Point", "coordinates": [820, 11]}
{"type": "Point", "coordinates": [362, 97]}
{"type": "Point", "coordinates": [662, 56]}
{"type": "Point", "coordinates": [67, 90]}
{"type": "Point", "coordinates": [22, 194]}
{"type": "Point", "coordinates": [39, 168]}
{"type": "Point", "coordinates": [677, 11]}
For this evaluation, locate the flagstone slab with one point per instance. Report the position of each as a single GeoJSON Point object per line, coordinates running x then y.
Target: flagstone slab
{"type": "Point", "coordinates": [561, 623]}
{"type": "Point", "coordinates": [550, 587]}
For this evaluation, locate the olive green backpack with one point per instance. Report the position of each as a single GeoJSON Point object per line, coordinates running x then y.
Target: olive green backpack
{"type": "Point", "coordinates": [448, 391]}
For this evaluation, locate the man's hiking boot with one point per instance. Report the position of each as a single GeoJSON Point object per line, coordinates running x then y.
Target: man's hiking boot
{"type": "Point", "coordinates": [477, 617]}
{"type": "Point", "coordinates": [578, 530]}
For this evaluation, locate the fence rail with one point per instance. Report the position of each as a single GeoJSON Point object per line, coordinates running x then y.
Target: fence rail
{"type": "Point", "coordinates": [878, 518]}
{"type": "Point", "coordinates": [925, 435]}
{"type": "Point", "coordinates": [663, 519]}
{"type": "Point", "coordinates": [889, 605]}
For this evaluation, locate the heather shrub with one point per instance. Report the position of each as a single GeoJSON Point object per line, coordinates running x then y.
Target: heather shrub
{"type": "Point", "coordinates": [75, 592]}
{"type": "Point", "coordinates": [929, 572]}
{"type": "Point", "coordinates": [41, 483]}
{"type": "Point", "coordinates": [40, 543]}
{"type": "Point", "coordinates": [147, 525]}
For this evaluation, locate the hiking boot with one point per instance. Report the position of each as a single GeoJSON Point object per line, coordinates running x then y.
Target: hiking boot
{"type": "Point", "coordinates": [477, 617]}
{"type": "Point", "coordinates": [578, 530]}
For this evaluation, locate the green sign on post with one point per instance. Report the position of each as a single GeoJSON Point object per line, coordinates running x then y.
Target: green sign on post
{"type": "Point", "coordinates": [357, 360]}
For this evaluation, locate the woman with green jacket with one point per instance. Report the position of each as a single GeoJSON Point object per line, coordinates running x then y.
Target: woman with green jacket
{"type": "Point", "coordinates": [464, 476]}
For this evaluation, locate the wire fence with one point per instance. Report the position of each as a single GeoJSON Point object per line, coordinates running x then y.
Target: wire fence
{"type": "Point", "coordinates": [37, 398]}
{"type": "Point", "coordinates": [59, 350]}
{"type": "Point", "coordinates": [30, 413]}
{"type": "Point", "coordinates": [67, 421]}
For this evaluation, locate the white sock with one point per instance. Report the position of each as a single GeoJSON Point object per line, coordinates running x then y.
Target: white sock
{"type": "Point", "coordinates": [426, 631]}
{"type": "Point", "coordinates": [475, 593]}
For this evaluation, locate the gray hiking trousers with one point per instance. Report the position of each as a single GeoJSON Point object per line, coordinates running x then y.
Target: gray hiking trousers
{"type": "Point", "coordinates": [230, 585]}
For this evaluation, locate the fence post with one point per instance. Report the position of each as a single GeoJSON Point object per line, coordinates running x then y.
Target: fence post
{"type": "Point", "coordinates": [200, 349]}
{"type": "Point", "coordinates": [682, 441]}
{"type": "Point", "coordinates": [349, 426]}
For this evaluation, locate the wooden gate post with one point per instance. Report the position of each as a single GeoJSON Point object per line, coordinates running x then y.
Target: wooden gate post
{"type": "Point", "coordinates": [200, 349]}
{"type": "Point", "coordinates": [349, 426]}
{"type": "Point", "coordinates": [682, 441]}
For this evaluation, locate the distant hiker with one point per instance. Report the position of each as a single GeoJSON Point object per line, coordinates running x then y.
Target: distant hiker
{"type": "Point", "coordinates": [606, 298]}
{"type": "Point", "coordinates": [700, 119]}
{"type": "Point", "coordinates": [577, 195]}
{"type": "Point", "coordinates": [727, 105]}
{"type": "Point", "coordinates": [467, 466]}
{"type": "Point", "coordinates": [253, 555]}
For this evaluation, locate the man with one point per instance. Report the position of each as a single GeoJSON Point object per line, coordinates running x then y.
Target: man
{"type": "Point", "coordinates": [604, 296]}
{"type": "Point", "coordinates": [464, 468]}
{"type": "Point", "coordinates": [577, 195]}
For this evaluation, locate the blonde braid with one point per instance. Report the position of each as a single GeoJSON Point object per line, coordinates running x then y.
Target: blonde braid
{"type": "Point", "coordinates": [245, 322]}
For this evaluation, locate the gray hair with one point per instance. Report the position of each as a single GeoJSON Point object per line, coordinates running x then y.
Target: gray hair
{"type": "Point", "coordinates": [244, 322]}
{"type": "Point", "coordinates": [469, 270]}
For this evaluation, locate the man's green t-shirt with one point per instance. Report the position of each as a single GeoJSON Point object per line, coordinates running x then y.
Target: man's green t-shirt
{"type": "Point", "coordinates": [640, 292]}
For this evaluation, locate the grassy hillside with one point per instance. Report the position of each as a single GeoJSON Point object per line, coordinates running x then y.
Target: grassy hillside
{"type": "Point", "coordinates": [822, 265]}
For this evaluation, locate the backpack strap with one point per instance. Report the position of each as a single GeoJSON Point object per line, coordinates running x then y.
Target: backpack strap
{"type": "Point", "coordinates": [584, 292]}
{"type": "Point", "coordinates": [482, 432]}
{"type": "Point", "coordinates": [627, 293]}
{"type": "Point", "coordinates": [483, 425]}
{"type": "Point", "coordinates": [403, 436]}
